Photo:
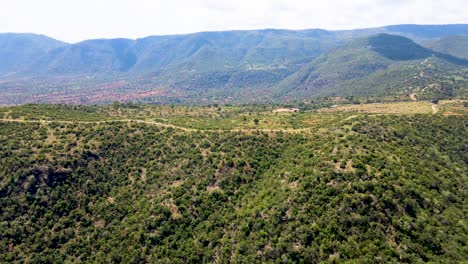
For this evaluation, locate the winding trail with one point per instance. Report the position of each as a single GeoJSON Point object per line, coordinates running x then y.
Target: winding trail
{"type": "Point", "coordinates": [435, 110]}
{"type": "Point", "coordinates": [413, 97]}
{"type": "Point", "coordinates": [245, 130]}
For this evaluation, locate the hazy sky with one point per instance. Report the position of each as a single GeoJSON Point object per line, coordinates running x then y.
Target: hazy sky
{"type": "Point", "coordinates": [75, 20]}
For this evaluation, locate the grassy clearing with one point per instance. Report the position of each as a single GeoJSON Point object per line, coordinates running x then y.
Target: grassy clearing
{"type": "Point", "coordinates": [384, 108]}
{"type": "Point", "coordinates": [225, 117]}
{"type": "Point", "coordinates": [203, 118]}
{"type": "Point", "coordinates": [453, 107]}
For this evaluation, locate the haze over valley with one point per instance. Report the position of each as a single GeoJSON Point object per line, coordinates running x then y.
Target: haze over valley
{"type": "Point", "coordinates": [262, 138]}
{"type": "Point", "coordinates": [257, 66]}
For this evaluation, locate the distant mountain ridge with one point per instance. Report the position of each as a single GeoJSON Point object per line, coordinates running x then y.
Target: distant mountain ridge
{"type": "Point", "coordinates": [18, 50]}
{"type": "Point", "coordinates": [227, 65]}
{"type": "Point", "coordinates": [220, 49]}
{"type": "Point", "coordinates": [379, 65]}
{"type": "Point", "coordinates": [233, 48]}
{"type": "Point", "coordinates": [453, 45]}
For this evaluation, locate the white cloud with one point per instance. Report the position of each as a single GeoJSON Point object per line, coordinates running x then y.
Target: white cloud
{"type": "Point", "coordinates": [73, 20]}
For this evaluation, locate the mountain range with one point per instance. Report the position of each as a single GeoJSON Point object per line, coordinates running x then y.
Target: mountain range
{"type": "Point", "coordinates": [237, 66]}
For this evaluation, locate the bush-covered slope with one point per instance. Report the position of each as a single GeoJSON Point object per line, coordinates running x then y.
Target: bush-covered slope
{"type": "Point", "coordinates": [397, 48]}
{"type": "Point", "coordinates": [233, 66]}
{"type": "Point", "coordinates": [379, 65]}
{"type": "Point", "coordinates": [205, 51]}
{"type": "Point", "coordinates": [454, 45]}
{"type": "Point", "coordinates": [183, 54]}
{"type": "Point", "coordinates": [382, 188]}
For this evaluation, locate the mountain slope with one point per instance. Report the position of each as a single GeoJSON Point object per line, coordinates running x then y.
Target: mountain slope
{"type": "Point", "coordinates": [429, 31]}
{"type": "Point", "coordinates": [418, 33]}
{"type": "Point", "coordinates": [200, 52]}
{"type": "Point", "coordinates": [377, 65]}
{"type": "Point", "coordinates": [210, 51]}
{"type": "Point", "coordinates": [18, 50]}
{"type": "Point", "coordinates": [357, 189]}
{"type": "Point", "coordinates": [188, 54]}
{"type": "Point", "coordinates": [103, 56]}
{"type": "Point", "coordinates": [236, 66]}
{"type": "Point", "coordinates": [454, 45]}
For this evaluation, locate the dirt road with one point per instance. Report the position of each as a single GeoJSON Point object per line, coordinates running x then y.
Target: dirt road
{"type": "Point", "coordinates": [245, 130]}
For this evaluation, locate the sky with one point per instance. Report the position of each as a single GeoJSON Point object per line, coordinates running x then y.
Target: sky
{"type": "Point", "coordinates": [77, 20]}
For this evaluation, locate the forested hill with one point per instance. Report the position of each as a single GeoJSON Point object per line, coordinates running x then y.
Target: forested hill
{"type": "Point", "coordinates": [251, 66]}
{"type": "Point", "coordinates": [453, 45]}
{"type": "Point", "coordinates": [209, 51]}
{"type": "Point", "coordinates": [17, 51]}
{"type": "Point", "coordinates": [134, 184]}
{"type": "Point", "coordinates": [380, 65]}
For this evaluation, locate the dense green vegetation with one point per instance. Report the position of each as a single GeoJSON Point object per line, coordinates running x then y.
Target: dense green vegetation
{"type": "Point", "coordinates": [397, 48]}
{"type": "Point", "coordinates": [380, 65]}
{"type": "Point", "coordinates": [236, 67]}
{"type": "Point", "coordinates": [201, 52]}
{"type": "Point", "coordinates": [453, 45]}
{"type": "Point", "coordinates": [352, 187]}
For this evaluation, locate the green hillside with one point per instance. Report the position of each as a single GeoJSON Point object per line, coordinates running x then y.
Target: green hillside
{"type": "Point", "coordinates": [236, 67]}
{"type": "Point", "coordinates": [453, 45]}
{"type": "Point", "coordinates": [379, 65]}
{"type": "Point", "coordinates": [188, 54]}
{"type": "Point", "coordinates": [135, 184]}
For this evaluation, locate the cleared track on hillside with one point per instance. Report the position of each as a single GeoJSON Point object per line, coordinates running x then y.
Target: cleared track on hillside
{"type": "Point", "coordinates": [246, 130]}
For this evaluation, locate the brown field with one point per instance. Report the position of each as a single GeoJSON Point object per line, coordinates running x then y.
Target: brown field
{"type": "Point", "coordinates": [385, 108]}
{"type": "Point", "coordinates": [285, 110]}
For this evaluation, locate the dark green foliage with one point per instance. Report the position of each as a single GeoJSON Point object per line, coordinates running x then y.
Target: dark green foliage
{"type": "Point", "coordinates": [369, 189]}
{"type": "Point", "coordinates": [397, 47]}
{"type": "Point", "coordinates": [380, 65]}
{"type": "Point", "coordinates": [234, 66]}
